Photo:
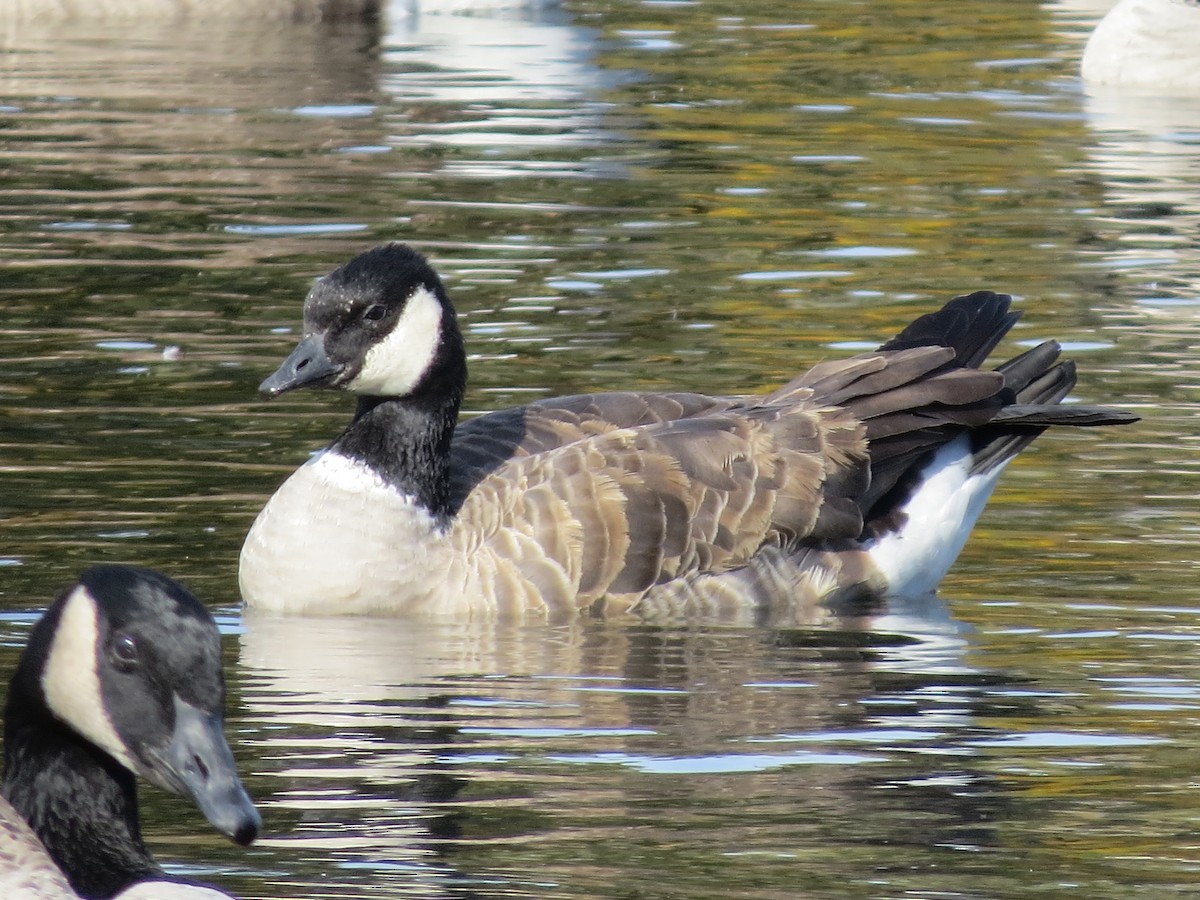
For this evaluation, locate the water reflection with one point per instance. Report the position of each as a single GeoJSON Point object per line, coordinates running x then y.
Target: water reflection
{"type": "Point", "coordinates": [407, 744]}
{"type": "Point", "coordinates": [511, 86]}
{"type": "Point", "coordinates": [158, 111]}
{"type": "Point", "coordinates": [1144, 148]}
{"type": "Point", "coordinates": [653, 195]}
{"type": "Point", "coordinates": [1147, 151]}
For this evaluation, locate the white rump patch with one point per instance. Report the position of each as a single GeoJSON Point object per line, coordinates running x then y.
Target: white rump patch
{"type": "Point", "coordinates": [940, 517]}
{"type": "Point", "coordinates": [71, 681]}
{"type": "Point", "coordinates": [393, 366]}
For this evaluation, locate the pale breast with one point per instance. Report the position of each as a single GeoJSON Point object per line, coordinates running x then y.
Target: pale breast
{"type": "Point", "coordinates": [336, 539]}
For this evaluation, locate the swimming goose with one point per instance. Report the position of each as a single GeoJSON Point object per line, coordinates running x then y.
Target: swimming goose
{"type": "Point", "coordinates": [861, 477]}
{"type": "Point", "coordinates": [1146, 45]}
{"type": "Point", "coordinates": [121, 675]}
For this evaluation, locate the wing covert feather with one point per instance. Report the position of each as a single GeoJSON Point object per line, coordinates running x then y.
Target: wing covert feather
{"type": "Point", "coordinates": [616, 512]}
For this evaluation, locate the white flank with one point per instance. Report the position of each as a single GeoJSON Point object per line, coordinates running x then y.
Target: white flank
{"type": "Point", "coordinates": [394, 366]}
{"type": "Point", "coordinates": [70, 679]}
{"type": "Point", "coordinates": [940, 517]}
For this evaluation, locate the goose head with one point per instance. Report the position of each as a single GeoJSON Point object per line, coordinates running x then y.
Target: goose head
{"type": "Point", "coordinates": [379, 326]}
{"type": "Point", "coordinates": [130, 662]}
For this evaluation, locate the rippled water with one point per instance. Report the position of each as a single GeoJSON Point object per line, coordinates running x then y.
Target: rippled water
{"type": "Point", "coordinates": [629, 196]}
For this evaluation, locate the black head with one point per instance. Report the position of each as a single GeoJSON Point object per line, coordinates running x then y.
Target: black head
{"type": "Point", "coordinates": [131, 662]}
{"type": "Point", "coordinates": [378, 326]}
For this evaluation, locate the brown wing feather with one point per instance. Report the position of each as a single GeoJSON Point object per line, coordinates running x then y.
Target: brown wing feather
{"type": "Point", "coordinates": [613, 495]}
{"type": "Point", "coordinates": [616, 493]}
{"type": "Point", "coordinates": [487, 442]}
{"type": "Point", "coordinates": [614, 514]}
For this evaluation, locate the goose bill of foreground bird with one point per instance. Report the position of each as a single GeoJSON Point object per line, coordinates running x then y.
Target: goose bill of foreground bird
{"type": "Point", "coordinates": [860, 478]}
{"type": "Point", "coordinates": [121, 675]}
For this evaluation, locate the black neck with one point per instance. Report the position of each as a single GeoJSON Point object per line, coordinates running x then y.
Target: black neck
{"type": "Point", "coordinates": [406, 440]}
{"type": "Point", "coordinates": [79, 800]}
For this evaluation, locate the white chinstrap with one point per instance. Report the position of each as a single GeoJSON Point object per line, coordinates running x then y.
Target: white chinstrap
{"type": "Point", "coordinates": [397, 363]}
{"type": "Point", "coordinates": [71, 681]}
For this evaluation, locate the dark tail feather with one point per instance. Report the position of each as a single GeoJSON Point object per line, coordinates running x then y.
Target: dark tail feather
{"type": "Point", "coordinates": [972, 324]}
{"type": "Point", "coordinates": [1033, 377]}
{"type": "Point", "coordinates": [1079, 416]}
{"type": "Point", "coordinates": [1038, 385]}
{"type": "Point", "coordinates": [1028, 403]}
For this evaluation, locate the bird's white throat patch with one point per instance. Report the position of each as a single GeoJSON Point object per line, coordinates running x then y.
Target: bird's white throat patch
{"type": "Point", "coordinates": [71, 681]}
{"type": "Point", "coordinates": [393, 366]}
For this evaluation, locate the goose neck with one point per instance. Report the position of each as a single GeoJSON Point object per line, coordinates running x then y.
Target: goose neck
{"type": "Point", "coordinates": [406, 442]}
{"type": "Point", "coordinates": [81, 803]}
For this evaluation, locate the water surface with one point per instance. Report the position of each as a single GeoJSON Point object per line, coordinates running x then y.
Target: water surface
{"type": "Point", "coordinates": [686, 195]}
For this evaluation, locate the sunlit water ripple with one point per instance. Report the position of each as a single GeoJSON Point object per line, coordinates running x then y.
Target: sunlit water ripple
{"type": "Point", "coordinates": [658, 195]}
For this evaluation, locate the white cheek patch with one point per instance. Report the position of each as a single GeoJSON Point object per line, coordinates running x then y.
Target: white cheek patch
{"type": "Point", "coordinates": [70, 681]}
{"type": "Point", "coordinates": [394, 366]}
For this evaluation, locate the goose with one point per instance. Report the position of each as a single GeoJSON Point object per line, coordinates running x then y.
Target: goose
{"type": "Point", "coordinates": [121, 675]}
{"type": "Point", "coordinates": [1146, 45]}
{"type": "Point", "coordinates": [858, 479]}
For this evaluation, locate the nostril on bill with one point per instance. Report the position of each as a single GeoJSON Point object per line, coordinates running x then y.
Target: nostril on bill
{"type": "Point", "coordinates": [246, 834]}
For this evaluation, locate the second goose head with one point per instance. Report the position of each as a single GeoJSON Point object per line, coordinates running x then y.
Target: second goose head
{"type": "Point", "coordinates": [379, 326]}
{"type": "Point", "coordinates": [121, 676]}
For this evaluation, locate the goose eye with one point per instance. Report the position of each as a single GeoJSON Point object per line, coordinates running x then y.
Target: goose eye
{"type": "Point", "coordinates": [125, 652]}
{"type": "Point", "coordinates": [375, 312]}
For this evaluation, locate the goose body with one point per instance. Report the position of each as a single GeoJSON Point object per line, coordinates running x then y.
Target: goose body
{"type": "Point", "coordinates": [860, 478]}
{"type": "Point", "coordinates": [122, 675]}
{"type": "Point", "coordinates": [28, 873]}
{"type": "Point", "coordinates": [1146, 45]}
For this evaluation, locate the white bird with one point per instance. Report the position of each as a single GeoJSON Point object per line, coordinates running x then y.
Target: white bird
{"type": "Point", "coordinates": [1150, 46]}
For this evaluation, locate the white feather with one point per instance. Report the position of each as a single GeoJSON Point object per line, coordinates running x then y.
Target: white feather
{"type": "Point", "coordinates": [939, 519]}
{"type": "Point", "coordinates": [1147, 45]}
{"type": "Point", "coordinates": [70, 679]}
{"type": "Point", "coordinates": [395, 365]}
{"type": "Point", "coordinates": [336, 539]}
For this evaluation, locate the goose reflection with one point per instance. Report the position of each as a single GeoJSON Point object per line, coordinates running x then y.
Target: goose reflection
{"type": "Point", "coordinates": [513, 80]}
{"type": "Point", "coordinates": [1145, 152]}
{"type": "Point", "coordinates": [398, 744]}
